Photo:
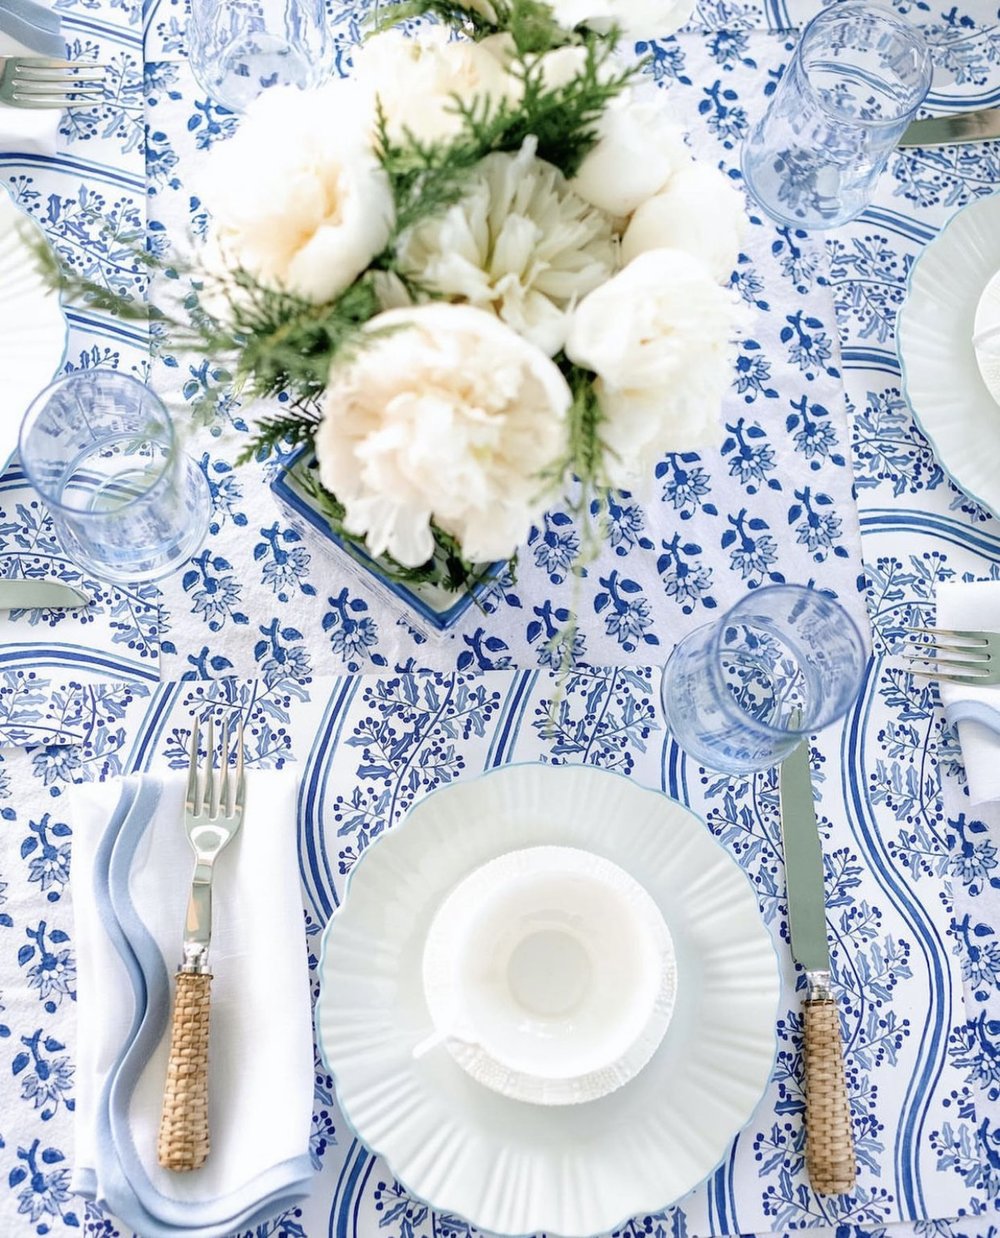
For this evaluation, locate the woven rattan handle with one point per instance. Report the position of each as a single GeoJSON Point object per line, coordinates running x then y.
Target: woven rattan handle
{"type": "Point", "coordinates": [829, 1136]}
{"type": "Point", "coordinates": [183, 1141]}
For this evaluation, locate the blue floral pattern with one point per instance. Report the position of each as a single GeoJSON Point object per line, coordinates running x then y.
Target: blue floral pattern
{"type": "Point", "coordinates": [263, 617]}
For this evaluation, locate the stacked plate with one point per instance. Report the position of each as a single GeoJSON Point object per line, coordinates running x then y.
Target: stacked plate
{"type": "Point", "coordinates": [951, 303]}
{"type": "Point", "coordinates": [548, 1000]}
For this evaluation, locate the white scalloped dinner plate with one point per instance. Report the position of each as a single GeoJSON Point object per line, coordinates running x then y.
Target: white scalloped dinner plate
{"type": "Point", "coordinates": [941, 379]}
{"type": "Point", "coordinates": [32, 326]}
{"type": "Point", "coordinates": [502, 1164]}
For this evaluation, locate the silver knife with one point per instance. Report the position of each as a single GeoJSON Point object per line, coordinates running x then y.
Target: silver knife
{"type": "Point", "coordinates": [955, 129]}
{"type": "Point", "coordinates": [40, 595]}
{"type": "Point", "coordinates": [830, 1156]}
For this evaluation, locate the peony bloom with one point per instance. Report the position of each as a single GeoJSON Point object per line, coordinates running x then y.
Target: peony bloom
{"type": "Point", "coordinates": [640, 147]}
{"type": "Point", "coordinates": [657, 336]}
{"type": "Point", "coordinates": [448, 416]}
{"type": "Point", "coordinates": [415, 81]}
{"type": "Point", "coordinates": [699, 211]}
{"type": "Point", "coordinates": [520, 244]}
{"type": "Point", "coordinates": [297, 198]}
{"type": "Point", "coordinates": [636, 19]}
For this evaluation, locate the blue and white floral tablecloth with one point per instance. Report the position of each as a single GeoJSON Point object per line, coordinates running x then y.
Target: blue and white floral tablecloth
{"type": "Point", "coordinates": [913, 872]}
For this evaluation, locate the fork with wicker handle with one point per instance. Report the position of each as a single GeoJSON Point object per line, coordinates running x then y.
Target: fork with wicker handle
{"type": "Point", "coordinates": [965, 657]}
{"type": "Point", "coordinates": [213, 814]}
{"type": "Point", "coordinates": [32, 82]}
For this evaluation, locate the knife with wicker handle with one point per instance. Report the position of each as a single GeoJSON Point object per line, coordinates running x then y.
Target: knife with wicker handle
{"type": "Point", "coordinates": [830, 1156]}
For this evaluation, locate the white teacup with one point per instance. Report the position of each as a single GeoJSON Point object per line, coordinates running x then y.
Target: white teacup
{"type": "Point", "coordinates": [550, 975]}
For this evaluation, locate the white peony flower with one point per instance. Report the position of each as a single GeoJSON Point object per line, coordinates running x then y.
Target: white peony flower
{"type": "Point", "coordinates": [520, 243]}
{"type": "Point", "coordinates": [699, 211]}
{"type": "Point", "coordinates": [636, 19]}
{"type": "Point", "coordinates": [415, 81]}
{"type": "Point", "coordinates": [296, 196]}
{"type": "Point", "coordinates": [448, 416]}
{"type": "Point", "coordinates": [657, 335]}
{"type": "Point", "coordinates": [640, 147]}
{"type": "Point", "coordinates": [558, 66]}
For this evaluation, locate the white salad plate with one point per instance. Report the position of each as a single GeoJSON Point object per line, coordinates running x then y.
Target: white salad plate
{"type": "Point", "coordinates": [502, 1164]}
{"type": "Point", "coordinates": [33, 327]}
{"type": "Point", "coordinates": [942, 380]}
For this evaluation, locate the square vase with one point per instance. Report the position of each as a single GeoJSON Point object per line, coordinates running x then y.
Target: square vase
{"type": "Point", "coordinates": [429, 606]}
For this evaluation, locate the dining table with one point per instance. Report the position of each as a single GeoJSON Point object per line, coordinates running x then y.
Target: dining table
{"type": "Point", "coordinates": [821, 477]}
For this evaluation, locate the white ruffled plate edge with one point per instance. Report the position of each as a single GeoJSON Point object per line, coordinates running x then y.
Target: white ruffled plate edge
{"type": "Point", "coordinates": [480, 1159]}
{"type": "Point", "coordinates": [941, 381]}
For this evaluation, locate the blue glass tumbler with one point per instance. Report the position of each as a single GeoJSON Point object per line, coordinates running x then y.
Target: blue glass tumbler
{"type": "Point", "coordinates": [741, 693]}
{"type": "Point", "coordinates": [126, 502]}
{"type": "Point", "coordinates": [854, 83]}
{"type": "Point", "coordinates": [239, 48]}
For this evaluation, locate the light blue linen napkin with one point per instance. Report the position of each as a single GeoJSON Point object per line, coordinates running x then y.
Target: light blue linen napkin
{"type": "Point", "coordinates": [34, 27]}
{"type": "Point", "coordinates": [131, 875]}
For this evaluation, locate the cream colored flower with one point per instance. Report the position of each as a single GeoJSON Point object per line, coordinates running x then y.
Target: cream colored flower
{"type": "Point", "coordinates": [640, 147]}
{"type": "Point", "coordinates": [658, 337]}
{"type": "Point", "coordinates": [448, 416]}
{"type": "Point", "coordinates": [699, 211]}
{"type": "Point", "coordinates": [416, 81]}
{"type": "Point", "coordinates": [296, 196]}
{"type": "Point", "coordinates": [520, 244]}
{"type": "Point", "coordinates": [636, 19]}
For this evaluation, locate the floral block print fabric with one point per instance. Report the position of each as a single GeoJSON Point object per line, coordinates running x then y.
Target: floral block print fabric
{"type": "Point", "coordinates": [366, 749]}
{"type": "Point", "coordinates": [816, 409]}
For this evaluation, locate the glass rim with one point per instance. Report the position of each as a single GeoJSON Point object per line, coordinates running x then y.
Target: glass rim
{"type": "Point", "coordinates": [34, 412]}
{"type": "Point", "coordinates": [890, 17]}
{"type": "Point", "coordinates": [724, 697]}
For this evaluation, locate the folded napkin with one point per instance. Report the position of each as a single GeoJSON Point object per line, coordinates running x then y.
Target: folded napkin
{"type": "Point", "coordinates": [976, 711]}
{"type": "Point", "coordinates": [131, 874]}
{"type": "Point", "coordinates": [29, 29]}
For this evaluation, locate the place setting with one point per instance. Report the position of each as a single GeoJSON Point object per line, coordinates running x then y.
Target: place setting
{"type": "Point", "coordinates": [499, 619]}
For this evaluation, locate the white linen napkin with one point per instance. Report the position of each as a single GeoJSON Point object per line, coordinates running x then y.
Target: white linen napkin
{"type": "Point", "coordinates": [131, 875]}
{"type": "Point", "coordinates": [29, 29]}
{"type": "Point", "coordinates": [976, 711]}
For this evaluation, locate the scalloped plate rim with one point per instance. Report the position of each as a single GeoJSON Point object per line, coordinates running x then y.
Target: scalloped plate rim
{"type": "Point", "coordinates": [639, 1207]}
{"type": "Point", "coordinates": [906, 371]}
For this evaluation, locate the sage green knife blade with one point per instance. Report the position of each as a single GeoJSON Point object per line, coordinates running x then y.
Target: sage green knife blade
{"type": "Point", "coordinates": [955, 129]}
{"type": "Point", "coordinates": [803, 863]}
{"type": "Point", "coordinates": [40, 595]}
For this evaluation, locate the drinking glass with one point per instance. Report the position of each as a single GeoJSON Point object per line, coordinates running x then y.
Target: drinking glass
{"type": "Point", "coordinates": [741, 693]}
{"type": "Point", "coordinates": [854, 82]}
{"type": "Point", "coordinates": [238, 48]}
{"type": "Point", "coordinates": [126, 502]}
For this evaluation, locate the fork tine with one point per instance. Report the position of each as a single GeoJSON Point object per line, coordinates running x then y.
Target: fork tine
{"type": "Point", "coordinates": [33, 89]}
{"type": "Point", "coordinates": [56, 76]}
{"type": "Point", "coordinates": [42, 62]}
{"type": "Point", "coordinates": [20, 99]}
{"type": "Point", "coordinates": [224, 789]}
{"type": "Point", "coordinates": [970, 670]}
{"type": "Point", "coordinates": [932, 649]}
{"type": "Point", "coordinates": [240, 773]}
{"type": "Point", "coordinates": [192, 782]}
{"type": "Point", "coordinates": [951, 633]}
{"type": "Point", "coordinates": [964, 681]}
{"type": "Point", "coordinates": [212, 786]}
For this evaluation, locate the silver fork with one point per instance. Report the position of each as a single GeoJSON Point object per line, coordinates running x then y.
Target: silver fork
{"type": "Point", "coordinates": [32, 82]}
{"type": "Point", "coordinates": [213, 814]}
{"type": "Point", "coordinates": [969, 658]}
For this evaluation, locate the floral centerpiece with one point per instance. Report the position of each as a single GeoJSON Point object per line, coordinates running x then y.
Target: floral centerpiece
{"type": "Point", "coordinates": [484, 270]}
